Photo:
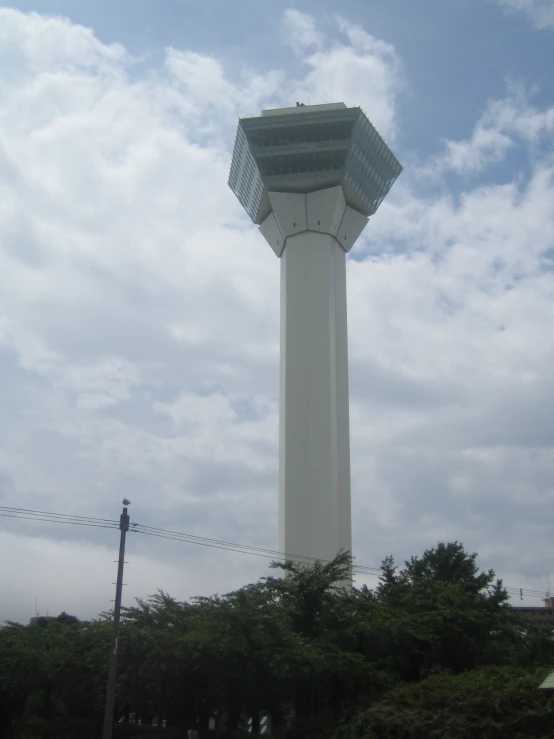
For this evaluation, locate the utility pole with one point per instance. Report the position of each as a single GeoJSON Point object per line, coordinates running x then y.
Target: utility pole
{"type": "Point", "coordinates": [112, 670]}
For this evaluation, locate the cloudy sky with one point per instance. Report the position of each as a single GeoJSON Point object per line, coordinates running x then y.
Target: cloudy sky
{"type": "Point", "coordinates": [139, 306]}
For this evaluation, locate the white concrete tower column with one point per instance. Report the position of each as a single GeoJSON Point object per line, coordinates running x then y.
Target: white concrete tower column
{"type": "Point", "coordinates": [312, 233]}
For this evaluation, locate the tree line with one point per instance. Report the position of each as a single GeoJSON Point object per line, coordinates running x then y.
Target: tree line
{"type": "Point", "coordinates": [432, 653]}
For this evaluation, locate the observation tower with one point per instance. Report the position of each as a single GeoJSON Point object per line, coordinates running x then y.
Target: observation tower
{"type": "Point", "coordinates": [311, 176]}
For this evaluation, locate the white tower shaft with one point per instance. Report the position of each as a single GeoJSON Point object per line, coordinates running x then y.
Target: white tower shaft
{"type": "Point", "coordinates": [307, 231]}
{"type": "Point", "coordinates": [314, 484]}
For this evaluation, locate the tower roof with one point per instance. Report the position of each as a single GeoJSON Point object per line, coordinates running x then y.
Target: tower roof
{"type": "Point", "coordinates": [311, 147]}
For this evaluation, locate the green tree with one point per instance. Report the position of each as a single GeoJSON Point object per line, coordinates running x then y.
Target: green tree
{"type": "Point", "coordinates": [296, 644]}
{"type": "Point", "coordinates": [491, 703]}
{"type": "Point", "coordinates": [455, 614]}
{"type": "Point", "coordinates": [46, 671]}
{"type": "Point", "coordinates": [322, 667]}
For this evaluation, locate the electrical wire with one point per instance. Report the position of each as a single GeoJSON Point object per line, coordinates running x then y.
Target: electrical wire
{"type": "Point", "coordinates": [269, 553]}
{"type": "Point", "coordinates": [54, 520]}
{"type": "Point", "coordinates": [272, 554]}
{"type": "Point", "coordinates": [57, 515]}
{"type": "Point", "coordinates": [241, 547]}
{"type": "Point", "coordinates": [524, 591]}
{"type": "Point", "coordinates": [240, 550]}
{"type": "Point", "coordinates": [28, 514]}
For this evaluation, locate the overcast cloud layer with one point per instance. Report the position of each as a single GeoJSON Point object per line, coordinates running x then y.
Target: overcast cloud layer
{"type": "Point", "coordinates": [139, 317]}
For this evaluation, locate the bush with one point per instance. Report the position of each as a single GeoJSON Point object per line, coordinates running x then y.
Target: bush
{"type": "Point", "coordinates": [492, 703]}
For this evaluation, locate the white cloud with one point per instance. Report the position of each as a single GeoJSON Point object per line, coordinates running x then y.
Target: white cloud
{"type": "Point", "coordinates": [540, 12]}
{"type": "Point", "coordinates": [31, 44]}
{"type": "Point", "coordinates": [485, 146]}
{"type": "Point", "coordinates": [139, 319]}
{"type": "Point", "coordinates": [516, 115]}
{"type": "Point", "coordinates": [208, 94]}
{"type": "Point", "coordinates": [505, 123]}
{"type": "Point", "coordinates": [358, 70]}
{"type": "Point", "coordinates": [301, 31]}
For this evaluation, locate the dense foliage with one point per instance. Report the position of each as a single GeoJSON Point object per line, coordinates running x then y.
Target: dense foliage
{"type": "Point", "coordinates": [432, 652]}
{"type": "Point", "coordinates": [492, 702]}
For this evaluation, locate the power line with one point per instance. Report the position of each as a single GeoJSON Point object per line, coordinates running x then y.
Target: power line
{"type": "Point", "coordinates": [29, 514]}
{"type": "Point", "coordinates": [271, 554]}
{"type": "Point", "coordinates": [37, 515]}
{"type": "Point", "coordinates": [239, 547]}
{"type": "Point", "coordinates": [55, 520]}
{"type": "Point", "coordinates": [524, 591]}
{"type": "Point", "coordinates": [241, 550]}
{"type": "Point", "coordinates": [93, 522]}
{"type": "Point", "coordinates": [57, 515]}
